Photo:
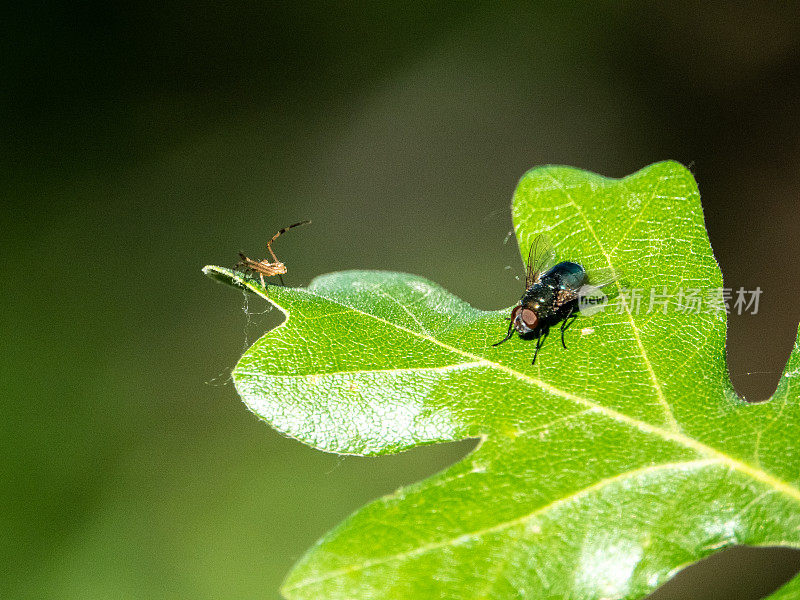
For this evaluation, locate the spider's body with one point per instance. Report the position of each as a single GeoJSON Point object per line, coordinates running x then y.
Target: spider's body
{"type": "Point", "coordinates": [264, 268]}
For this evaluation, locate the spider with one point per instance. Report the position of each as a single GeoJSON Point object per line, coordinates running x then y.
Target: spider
{"type": "Point", "coordinates": [264, 267]}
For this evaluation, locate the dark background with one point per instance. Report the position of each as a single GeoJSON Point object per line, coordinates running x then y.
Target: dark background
{"type": "Point", "coordinates": [140, 142]}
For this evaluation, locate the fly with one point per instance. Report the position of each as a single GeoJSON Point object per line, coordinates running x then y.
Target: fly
{"type": "Point", "coordinates": [551, 296]}
{"type": "Point", "coordinates": [264, 268]}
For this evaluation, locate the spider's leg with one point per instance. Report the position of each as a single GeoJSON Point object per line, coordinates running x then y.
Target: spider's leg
{"type": "Point", "coordinates": [284, 230]}
{"type": "Point", "coordinates": [269, 246]}
{"type": "Point", "coordinates": [242, 264]}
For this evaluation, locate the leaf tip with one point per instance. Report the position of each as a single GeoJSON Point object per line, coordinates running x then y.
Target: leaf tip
{"type": "Point", "coordinates": [224, 275]}
{"type": "Point", "coordinates": [234, 278]}
{"type": "Point", "coordinates": [667, 169]}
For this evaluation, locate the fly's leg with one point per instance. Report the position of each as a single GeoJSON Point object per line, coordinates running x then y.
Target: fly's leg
{"type": "Point", "coordinates": [540, 335]}
{"type": "Point", "coordinates": [281, 278]}
{"type": "Point", "coordinates": [508, 336]}
{"type": "Point", "coordinates": [567, 322]}
{"type": "Point", "coordinates": [263, 283]}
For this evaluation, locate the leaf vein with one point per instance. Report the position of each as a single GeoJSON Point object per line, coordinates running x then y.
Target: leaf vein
{"type": "Point", "coordinates": [754, 472]}
{"type": "Point", "coordinates": [673, 424]}
{"type": "Point", "coordinates": [466, 537]}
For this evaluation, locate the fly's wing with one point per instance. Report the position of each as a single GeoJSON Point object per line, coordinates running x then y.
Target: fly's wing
{"type": "Point", "coordinates": [541, 257]}
{"type": "Point", "coordinates": [604, 278]}
{"type": "Point", "coordinates": [594, 295]}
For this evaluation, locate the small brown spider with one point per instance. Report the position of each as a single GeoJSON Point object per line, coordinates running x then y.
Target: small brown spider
{"type": "Point", "coordinates": [264, 267]}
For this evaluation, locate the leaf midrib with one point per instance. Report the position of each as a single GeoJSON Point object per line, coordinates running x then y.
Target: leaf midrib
{"type": "Point", "coordinates": [756, 473]}
{"type": "Point", "coordinates": [675, 436]}
{"type": "Point", "coordinates": [673, 423]}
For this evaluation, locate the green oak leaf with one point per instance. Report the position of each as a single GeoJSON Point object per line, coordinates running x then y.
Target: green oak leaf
{"type": "Point", "coordinates": [600, 472]}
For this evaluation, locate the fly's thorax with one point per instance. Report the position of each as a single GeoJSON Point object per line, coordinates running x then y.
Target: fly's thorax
{"type": "Point", "coordinates": [567, 275]}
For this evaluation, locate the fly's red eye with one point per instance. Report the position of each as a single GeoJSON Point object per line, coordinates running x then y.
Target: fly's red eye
{"type": "Point", "coordinates": [529, 318]}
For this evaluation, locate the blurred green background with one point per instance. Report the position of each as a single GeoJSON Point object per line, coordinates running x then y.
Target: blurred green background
{"type": "Point", "coordinates": [142, 141]}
